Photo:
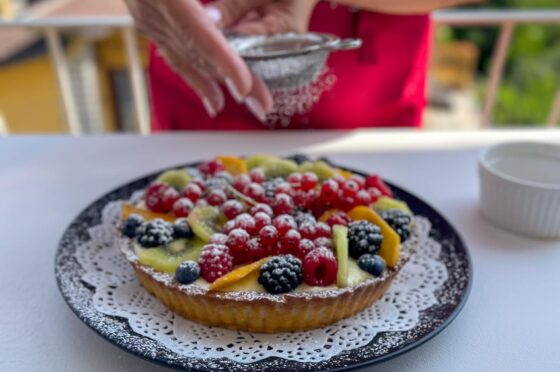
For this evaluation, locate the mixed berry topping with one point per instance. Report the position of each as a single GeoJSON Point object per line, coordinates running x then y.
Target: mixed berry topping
{"type": "Point", "coordinates": [363, 237]}
{"type": "Point", "coordinates": [155, 233]}
{"type": "Point", "coordinates": [399, 221]}
{"type": "Point", "coordinates": [182, 229]}
{"type": "Point", "coordinates": [281, 274]}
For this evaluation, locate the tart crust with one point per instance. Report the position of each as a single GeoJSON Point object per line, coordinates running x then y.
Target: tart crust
{"type": "Point", "coordinates": [262, 312]}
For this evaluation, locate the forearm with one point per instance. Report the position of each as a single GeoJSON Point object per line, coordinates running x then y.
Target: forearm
{"type": "Point", "coordinates": [403, 6]}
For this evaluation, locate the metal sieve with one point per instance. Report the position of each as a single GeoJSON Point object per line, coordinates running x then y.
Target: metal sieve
{"type": "Point", "coordinates": [289, 61]}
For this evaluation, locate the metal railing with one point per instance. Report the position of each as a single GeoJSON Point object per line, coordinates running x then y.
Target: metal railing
{"type": "Point", "coordinates": [52, 27]}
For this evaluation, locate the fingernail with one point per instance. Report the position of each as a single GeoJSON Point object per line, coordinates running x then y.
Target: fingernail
{"type": "Point", "coordinates": [214, 13]}
{"type": "Point", "coordinates": [209, 107]}
{"type": "Point", "coordinates": [256, 108]}
{"type": "Point", "coordinates": [233, 91]}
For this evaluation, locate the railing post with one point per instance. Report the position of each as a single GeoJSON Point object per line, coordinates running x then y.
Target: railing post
{"type": "Point", "coordinates": [554, 114]}
{"type": "Point", "coordinates": [60, 65]}
{"type": "Point", "coordinates": [137, 79]}
{"type": "Point", "coordinates": [496, 71]}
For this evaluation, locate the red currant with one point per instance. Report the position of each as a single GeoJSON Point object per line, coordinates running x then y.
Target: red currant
{"type": "Point", "coordinates": [229, 226]}
{"type": "Point", "coordinates": [339, 180]}
{"type": "Point", "coordinates": [153, 197]}
{"type": "Point", "coordinates": [320, 267]}
{"type": "Point", "coordinates": [374, 193]}
{"type": "Point", "coordinates": [377, 182]}
{"type": "Point", "coordinates": [347, 203]}
{"type": "Point", "coordinates": [363, 198]}
{"type": "Point", "coordinates": [200, 183]}
{"type": "Point", "coordinates": [295, 180]}
{"type": "Point", "coordinates": [305, 246]}
{"type": "Point", "coordinates": [308, 231]}
{"type": "Point", "coordinates": [261, 207]}
{"type": "Point", "coordinates": [350, 188]}
{"type": "Point", "coordinates": [236, 242]}
{"type": "Point", "coordinates": [193, 192]}
{"type": "Point", "coordinates": [283, 188]}
{"type": "Point", "coordinates": [182, 207]}
{"type": "Point", "coordinates": [211, 168]}
{"type": "Point", "coordinates": [269, 236]}
{"type": "Point", "coordinates": [255, 192]}
{"type": "Point", "coordinates": [329, 191]}
{"type": "Point", "coordinates": [282, 204]}
{"type": "Point", "coordinates": [323, 230]}
{"type": "Point", "coordinates": [246, 222]}
{"type": "Point", "coordinates": [290, 242]}
{"type": "Point", "coordinates": [308, 181]}
{"type": "Point", "coordinates": [254, 250]}
{"type": "Point", "coordinates": [216, 197]}
{"type": "Point", "coordinates": [232, 209]}
{"type": "Point", "coordinates": [283, 223]}
{"type": "Point", "coordinates": [241, 181]}
{"type": "Point", "coordinates": [257, 175]}
{"type": "Point", "coordinates": [261, 220]}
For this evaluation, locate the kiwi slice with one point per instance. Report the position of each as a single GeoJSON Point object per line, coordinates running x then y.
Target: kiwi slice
{"type": "Point", "coordinates": [279, 167]}
{"type": "Point", "coordinates": [340, 240]}
{"type": "Point", "coordinates": [320, 168]}
{"type": "Point", "coordinates": [257, 160]}
{"type": "Point", "coordinates": [177, 178]}
{"type": "Point", "coordinates": [385, 203]}
{"type": "Point", "coordinates": [167, 258]}
{"type": "Point", "coordinates": [355, 274]}
{"type": "Point", "coordinates": [205, 221]}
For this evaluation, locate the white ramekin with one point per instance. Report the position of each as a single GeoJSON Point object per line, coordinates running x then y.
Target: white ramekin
{"type": "Point", "coordinates": [526, 199]}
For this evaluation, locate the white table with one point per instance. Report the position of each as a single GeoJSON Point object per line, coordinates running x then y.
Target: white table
{"type": "Point", "coordinates": [511, 321]}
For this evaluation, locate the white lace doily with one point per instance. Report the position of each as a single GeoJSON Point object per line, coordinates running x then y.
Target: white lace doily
{"type": "Point", "coordinates": [118, 293]}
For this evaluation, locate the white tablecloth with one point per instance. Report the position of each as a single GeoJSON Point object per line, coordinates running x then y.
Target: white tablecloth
{"type": "Point", "coordinates": [511, 321]}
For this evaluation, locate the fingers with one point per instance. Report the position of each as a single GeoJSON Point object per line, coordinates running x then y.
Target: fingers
{"type": "Point", "coordinates": [231, 11]}
{"type": "Point", "coordinates": [259, 101]}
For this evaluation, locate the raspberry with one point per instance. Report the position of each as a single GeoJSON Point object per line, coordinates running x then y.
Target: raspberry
{"type": "Point", "coordinates": [339, 180]}
{"type": "Point", "coordinates": [377, 182]}
{"type": "Point", "coordinates": [269, 236]}
{"type": "Point", "coordinates": [182, 207]}
{"type": "Point", "coordinates": [329, 191]}
{"type": "Point", "coordinates": [282, 204]}
{"type": "Point", "coordinates": [160, 198]}
{"type": "Point", "coordinates": [261, 220]}
{"type": "Point", "coordinates": [241, 181]}
{"type": "Point", "coordinates": [308, 231]}
{"type": "Point", "coordinates": [255, 250]}
{"type": "Point", "coordinates": [289, 242]}
{"type": "Point", "coordinates": [360, 180]}
{"type": "Point", "coordinates": [363, 237]}
{"type": "Point", "coordinates": [305, 246]}
{"type": "Point", "coordinates": [283, 188]}
{"type": "Point", "coordinates": [363, 198]}
{"type": "Point", "coordinates": [215, 261]}
{"type": "Point", "coordinates": [346, 203]}
{"type": "Point", "coordinates": [232, 209]}
{"type": "Point", "coordinates": [218, 238]}
{"type": "Point", "coordinates": [216, 197]}
{"type": "Point", "coordinates": [131, 225]}
{"type": "Point", "coordinates": [323, 230]}
{"type": "Point", "coordinates": [283, 223]}
{"type": "Point", "coordinates": [154, 233]}
{"type": "Point", "coordinates": [281, 274]}
{"type": "Point", "coordinates": [200, 183]}
{"type": "Point", "coordinates": [192, 191]}
{"type": "Point", "coordinates": [256, 192]}
{"type": "Point", "coordinates": [257, 175]}
{"type": "Point", "coordinates": [399, 221]}
{"type": "Point", "coordinates": [320, 267]}
{"type": "Point", "coordinates": [295, 180]}
{"type": "Point", "coordinates": [246, 222]}
{"type": "Point", "coordinates": [323, 242]}
{"type": "Point", "coordinates": [374, 193]}
{"type": "Point", "coordinates": [261, 207]}
{"type": "Point", "coordinates": [339, 218]}
{"type": "Point", "coordinates": [308, 181]}
{"type": "Point", "coordinates": [210, 168]}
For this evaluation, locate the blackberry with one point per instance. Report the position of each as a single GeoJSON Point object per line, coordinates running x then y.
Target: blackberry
{"type": "Point", "coordinates": [187, 272]}
{"type": "Point", "coordinates": [270, 186]}
{"type": "Point", "coordinates": [399, 221]}
{"type": "Point", "coordinates": [155, 233]}
{"type": "Point", "coordinates": [216, 182]}
{"type": "Point", "coordinates": [281, 274]}
{"type": "Point", "coordinates": [304, 218]}
{"type": "Point", "coordinates": [182, 229]}
{"type": "Point", "coordinates": [300, 158]}
{"type": "Point", "coordinates": [363, 237]}
{"type": "Point", "coordinates": [131, 225]}
{"type": "Point", "coordinates": [373, 264]}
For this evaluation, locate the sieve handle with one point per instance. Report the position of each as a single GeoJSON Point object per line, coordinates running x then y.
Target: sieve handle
{"type": "Point", "coordinates": [344, 44]}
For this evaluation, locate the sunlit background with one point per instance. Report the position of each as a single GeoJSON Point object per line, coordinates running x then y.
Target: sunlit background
{"type": "Point", "coordinates": [65, 66]}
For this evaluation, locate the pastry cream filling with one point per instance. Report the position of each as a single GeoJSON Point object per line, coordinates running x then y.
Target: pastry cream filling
{"type": "Point", "coordinates": [250, 282]}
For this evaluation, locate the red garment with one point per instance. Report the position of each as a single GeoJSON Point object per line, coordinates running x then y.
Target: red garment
{"type": "Point", "coordinates": [381, 84]}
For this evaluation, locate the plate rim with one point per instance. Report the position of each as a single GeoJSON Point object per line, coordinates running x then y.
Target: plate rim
{"type": "Point", "coordinates": [373, 361]}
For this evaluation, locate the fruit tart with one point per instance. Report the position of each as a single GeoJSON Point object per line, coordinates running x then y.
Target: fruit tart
{"type": "Point", "coordinates": [266, 244]}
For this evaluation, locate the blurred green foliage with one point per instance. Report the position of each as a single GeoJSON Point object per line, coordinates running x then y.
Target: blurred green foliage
{"type": "Point", "coordinates": [532, 74]}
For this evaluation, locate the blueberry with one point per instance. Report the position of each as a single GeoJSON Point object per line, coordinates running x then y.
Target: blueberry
{"type": "Point", "coordinates": [182, 229]}
{"type": "Point", "coordinates": [373, 264]}
{"type": "Point", "coordinates": [187, 272]}
{"type": "Point", "coordinates": [131, 225]}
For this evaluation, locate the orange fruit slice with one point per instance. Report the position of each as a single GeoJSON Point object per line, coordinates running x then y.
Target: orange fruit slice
{"type": "Point", "coordinates": [233, 164]}
{"type": "Point", "coordinates": [328, 214]}
{"type": "Point", "coordinates": [237, 274]}
{"type": "Point", "coordinates": [390, 248]}
{"type": "Point", "coordinates": [128, 209]}
{"type": "Point", "coordinates": [344, 173]}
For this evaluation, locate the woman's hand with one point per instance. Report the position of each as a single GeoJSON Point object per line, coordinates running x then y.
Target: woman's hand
{"type": "Point", "coordinates": [188, 38]}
